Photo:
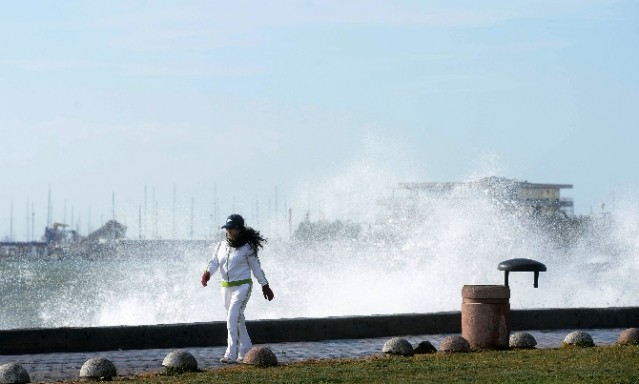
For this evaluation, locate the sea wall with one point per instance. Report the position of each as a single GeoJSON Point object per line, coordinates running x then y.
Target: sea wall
{"type": "Point", "coordinates": [29, 341]}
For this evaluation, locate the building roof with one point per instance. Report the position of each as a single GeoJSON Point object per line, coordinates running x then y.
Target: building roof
{"type": "Point", "coordinates": [486, 180]}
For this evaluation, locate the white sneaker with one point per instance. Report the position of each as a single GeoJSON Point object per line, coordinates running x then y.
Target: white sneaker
{"type": "Point", "coordinates": [226, 360]}
{"type": "Point", "coordinates": [240, 360]}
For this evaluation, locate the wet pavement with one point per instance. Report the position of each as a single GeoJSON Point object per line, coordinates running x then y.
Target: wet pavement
{"type": "Point", "coordinates": [60, 366]}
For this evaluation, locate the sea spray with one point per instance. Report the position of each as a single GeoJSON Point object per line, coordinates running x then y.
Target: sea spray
{"type": "Point", "coordinates": [415, 262]}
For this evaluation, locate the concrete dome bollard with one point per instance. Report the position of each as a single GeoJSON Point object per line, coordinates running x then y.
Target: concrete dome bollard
{"type": "Point", "coordinates": [398, 346]}
{"type": "Point", "coordinates": [578, 339]}
{"type": "Point", "coordinates": [180, 360]}
{"type": "Point", "coordinates": [629, 336]}
{"type": "Point", "coordinates": [522, 340]}
{"type": "Point", "coordinates": [13, 373]}
{"type": "Point", "coordinates": [454, 344]}
{"type": "Point", "coordinates": [98, 368]}
{"type": "Point", "coordinates": [261, 357]}
{"type": "Point", "coordinates": [424, 347]}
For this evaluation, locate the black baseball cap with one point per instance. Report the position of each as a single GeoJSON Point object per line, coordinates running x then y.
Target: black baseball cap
{"type": "Point", "coordinates": [234, 221]}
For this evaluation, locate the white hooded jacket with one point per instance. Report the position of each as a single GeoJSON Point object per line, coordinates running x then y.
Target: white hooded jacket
{"type": "Point", "coordinates": [236, 264]}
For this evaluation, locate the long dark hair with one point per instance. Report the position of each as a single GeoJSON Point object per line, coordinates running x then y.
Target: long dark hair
{"type": "Point", "coordinates": [250, 236]}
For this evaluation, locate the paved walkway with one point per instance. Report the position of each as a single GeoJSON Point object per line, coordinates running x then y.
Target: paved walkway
{"type": "Point", "coordinates": [57, 366]}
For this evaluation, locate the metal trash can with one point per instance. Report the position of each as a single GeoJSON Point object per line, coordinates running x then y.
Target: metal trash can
{"type": "Point", "coordinates": [486, 316]}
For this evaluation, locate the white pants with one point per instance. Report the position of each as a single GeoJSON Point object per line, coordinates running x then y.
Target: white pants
{"type": "Point", "coordinates": [235, 300]}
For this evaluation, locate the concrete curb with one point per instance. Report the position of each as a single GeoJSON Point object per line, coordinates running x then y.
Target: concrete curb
{"type": "Point", "coordinates": [29, 341]}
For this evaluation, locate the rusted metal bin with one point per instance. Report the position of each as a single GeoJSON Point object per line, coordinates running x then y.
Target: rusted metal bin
{"type": "Point", "coordinates": [486, 316]}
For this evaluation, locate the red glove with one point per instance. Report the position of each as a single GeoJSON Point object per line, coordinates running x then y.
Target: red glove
{"type": "Point", "coordinates": [267, 292]}
{"type": "Point", "coordinates": [205, 278]}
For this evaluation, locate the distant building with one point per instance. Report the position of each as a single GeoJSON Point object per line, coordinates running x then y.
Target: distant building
{"type": "Point", "coordinates": [23, 250]}
{"type": "Point", "coordinates": [536, 198]}
{"type": "Point", "coordinates": [112, 230]}
{"type": "Point", "coordinates": [59, 242]}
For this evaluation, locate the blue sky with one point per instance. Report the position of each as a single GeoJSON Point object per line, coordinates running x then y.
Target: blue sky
{"type": "Point", "coordinates": [249, 97]}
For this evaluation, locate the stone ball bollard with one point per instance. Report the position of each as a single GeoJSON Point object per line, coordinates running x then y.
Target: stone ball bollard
{"type": "Point", "coordinates": [260, 357]}
{"type": "Point", "coordinates": [98, 368]}
{"type": "Point", "coordinates": [398, 346]}
{"type": "Point", "coordinates": [180, 361]}
{"type": "Point", "coordinates": [522, 340]}
{"type": "Point", "coordinates": [629, 336]}
{"type": "Point", "coordinates": [578, 339]}
{"type": "Point", "coordinates": [424, 347]}
{"type": "Point", "coordinates": [454, 344]}
{"type": "Point", "coordinates": [13, 373]}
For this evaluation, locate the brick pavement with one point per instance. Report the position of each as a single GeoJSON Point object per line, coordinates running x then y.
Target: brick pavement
{"type": "Point", "coordinates": [58, 366]}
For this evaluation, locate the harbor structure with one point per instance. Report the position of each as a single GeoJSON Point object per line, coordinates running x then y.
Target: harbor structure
{"type": "Point", "coordinates": [35, 250]}
{"type": "Point", "coordinates": [409, 201]}
{"type": "Point", "coordinates": [538, 199]}
{"type": "Point", "coordinates": [58, 242]}
{"type": "Point", "coordinates": [107, 242]}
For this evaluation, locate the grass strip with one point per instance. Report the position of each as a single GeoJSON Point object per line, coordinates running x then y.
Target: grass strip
{"type": "Point", "coordinates": [609, 364]}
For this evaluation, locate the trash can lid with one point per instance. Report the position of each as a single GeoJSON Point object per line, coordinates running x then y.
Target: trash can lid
{"type": "Point", "coordinates": [486, 292]}
{"type": "Point", "coordinates": [521, 265]}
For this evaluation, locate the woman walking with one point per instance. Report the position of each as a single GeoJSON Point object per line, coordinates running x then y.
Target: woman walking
{"type": "Point", "coordinates": [236, 258]}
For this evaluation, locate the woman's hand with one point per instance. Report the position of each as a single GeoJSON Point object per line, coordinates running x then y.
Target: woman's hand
{"type": "Point", "coordinates": [267, 292]}
{"type": "Point", "coordinates": [205, 278]}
